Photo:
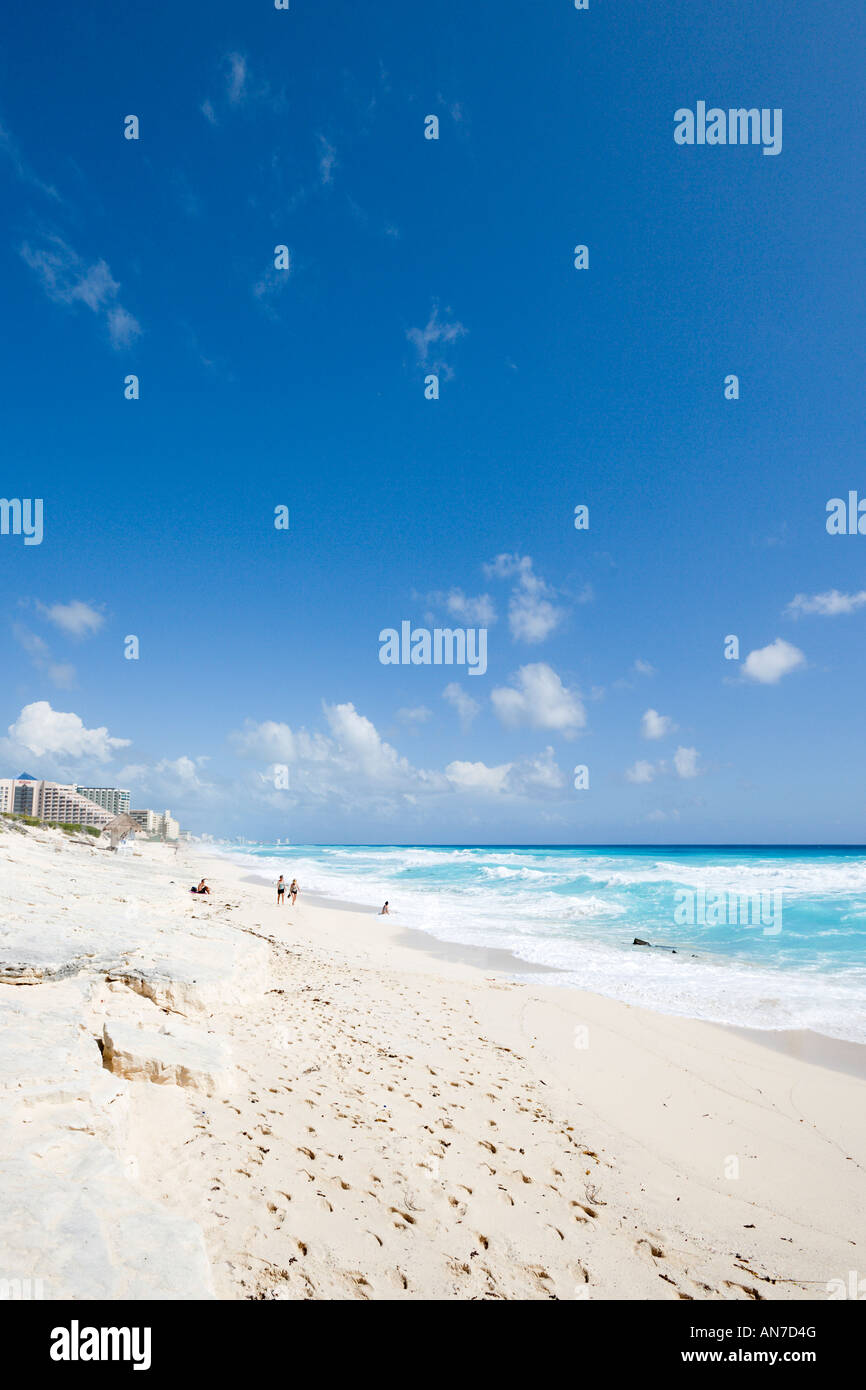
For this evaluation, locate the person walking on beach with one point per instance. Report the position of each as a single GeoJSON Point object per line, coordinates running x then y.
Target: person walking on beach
{"type": "Point", "coordinates": [293, 890]}
{"type": "Point", "coordinates": [281, 890]}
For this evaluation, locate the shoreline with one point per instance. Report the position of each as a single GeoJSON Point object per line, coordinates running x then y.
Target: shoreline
{"type": "Point", "coordinates": [481, 957]}
{"type": "Point", "coordinates": [822, 1049]}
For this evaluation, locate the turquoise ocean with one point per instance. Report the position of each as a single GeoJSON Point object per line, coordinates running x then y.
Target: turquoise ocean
{"type": "Point", "coordinates": [764, 937]}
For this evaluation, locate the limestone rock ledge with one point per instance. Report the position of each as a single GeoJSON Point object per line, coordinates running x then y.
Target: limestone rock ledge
{"type": "Point", "coordinates": [127, 981]}
{"type": "Point", "coordinates": [71, 1216]}
{"type": "Point", "coordinates": [171, 1055]}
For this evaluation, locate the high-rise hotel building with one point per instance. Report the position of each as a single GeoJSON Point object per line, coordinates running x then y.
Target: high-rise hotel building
{"type": "Point", "coordinates": [164, 826]}
{"type": "Point", "coordinates": [29, 796]}
{"type": "Point", "coordinates": [112, 799]}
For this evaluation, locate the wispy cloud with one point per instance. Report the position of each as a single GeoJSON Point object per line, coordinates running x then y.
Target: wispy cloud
{"type": "Point", "coordinates": [68, 279]}
{"type": "Point", "coordinates": [242, 89]}
{"type": "Point", "coordinates": [466, 707]}
{"type": "Point", "coordinates": [60, 673]}
{"type": "Point", "coordinates": [9, 149]}
{"type": "Point", "coordinates": [270, 285]}
{"type": "Point", "coordinates": [641, 772]}
{"type": "Point", "coordinates": [76, 618]}
{"type": "Point", "coordinates": [327, 160]}
{"type": "Point", "coordinates": [237, 78]}
{"type": "Point", "coordinates": [478, 609]}
{"type": "Point", "coordinates": [437, 333]}
{"type": "Point", "coordinates": [829, 604]}
{"type": "Point", "coordinates": [685, 766]}
{"type": "Point", "coordinates": [414, 715]}
{"type": "Point", "coordinates": [686, 762]}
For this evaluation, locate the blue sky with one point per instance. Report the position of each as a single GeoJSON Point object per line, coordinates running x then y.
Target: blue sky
{"type": "Point", "coordinates": [258, 647]}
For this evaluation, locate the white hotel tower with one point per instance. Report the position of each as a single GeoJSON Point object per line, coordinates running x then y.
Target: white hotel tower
{"type": "Point", "coordinates": [29, 796]}
{"type": "Point", "coordinates": [113, 799]}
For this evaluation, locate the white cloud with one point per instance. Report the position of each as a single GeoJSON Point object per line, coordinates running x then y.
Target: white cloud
{"type": "Point", "coordinates": [273, 741]}
{"type": "Point", "coordinates": [478, 777]}
{"type": "Point", "coordinates": [76, 619]}
{"type": "Point", "coordinates": [506, 566]}
{"type": "Point", "coordinates": [641, 772]}
{"type": "Point", "coordinates": [829, 604]}
{"type": "Point", "coordinates": [655, 725]}
{"type": "Point", "coordinates": [358, 737]}
{"type": "Point", "coordinates": [354, 767]}
{"type": "Point", "coordinates": [686, 762]}
{"type": "Point", "coordinates": [418, 714]}
{"type": "Point", "coordinates": [768, 664]}
{"type": "Point", "coordinates": [478, 610]}
{"type": "Point", "coordinates": [542, 771]}
{"type": "Point", "coordinates": [532, 616]}
{"type": "Point", "coordinates": [528, 776]}
{"type": "Point", "coordinates": [538, 698]}
{"type": "Point", "coordinates": [123, 329]}
{"type": "Point", "coordinates": [67, 279]}
{"type": "Point", "coordinates": [174, 780]}
{"type": "Point", "coordinates": [183, 769]}
{"type": "Point", "coordinates": [434, 334]}
{"type": "Point", "coordinates": [41, 730]}
{"type": "Point", "coordinates": [466, 707]}
{"type": "Point", "coordinates": [644, 668]}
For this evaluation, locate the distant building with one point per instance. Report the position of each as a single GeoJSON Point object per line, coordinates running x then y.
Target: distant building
{"type": "Point", "coordinates": [28, 796]}
{"type": "Point", "coordinates": [112, 799]}
{"type": "Point", "coordinates": [163, 827]}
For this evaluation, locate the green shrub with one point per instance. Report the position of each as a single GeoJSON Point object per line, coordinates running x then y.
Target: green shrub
{"type": "Point", "coordinates": [71, 827]}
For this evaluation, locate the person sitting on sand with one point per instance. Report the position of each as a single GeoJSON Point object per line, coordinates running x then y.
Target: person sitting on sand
{"type": "Point", "coordinates": [202, 888]}
{"type": "Point", "coordinates": [386, 911]}
{"type": "Point", "coordinates": [293, 890]}
{"type": "Point", "coordinates": [281, 890]}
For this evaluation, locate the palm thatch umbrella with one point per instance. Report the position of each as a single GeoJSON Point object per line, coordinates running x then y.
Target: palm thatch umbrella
{"type": "Point", "coordinates": [118, 829]}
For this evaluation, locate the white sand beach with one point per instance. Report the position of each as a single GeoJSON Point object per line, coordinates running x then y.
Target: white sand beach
{"type": "Point", "coordinates": [220, 1098]}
